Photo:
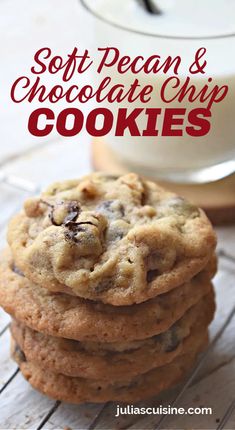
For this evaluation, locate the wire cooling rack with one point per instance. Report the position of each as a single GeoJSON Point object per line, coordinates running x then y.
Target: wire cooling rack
{"type": "Point", "coordinates": [22, 185]}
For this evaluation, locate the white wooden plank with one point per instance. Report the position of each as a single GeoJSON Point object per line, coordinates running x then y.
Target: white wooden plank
{"type": "Point", "coordinates": [224, 350]}
{"type": "Point", "coordinates": [4, 320]}
{"type": "Point", "coordinates": [76, 417]}
{"type": "Point", "coordinates": [7, 366]}
{"type": "Point", "coordinates": [231, 422]}
{"type": "Point", "coordinates": [109, 420]}
{"type": "Point", "coordinates": [215, 391]}
{"type": "Point", "coordinates": [211, 392]}
{"type": "Point", "coordinates": [21, 407]}
{"type": "Point", "coordinates": [226, 240]}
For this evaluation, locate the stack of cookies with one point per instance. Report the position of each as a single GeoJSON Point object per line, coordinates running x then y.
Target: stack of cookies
{"type": "Point", "coordinates": [108, 281]}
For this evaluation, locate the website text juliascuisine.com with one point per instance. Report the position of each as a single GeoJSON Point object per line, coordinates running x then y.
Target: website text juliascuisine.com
{"type": "Point", "coordinates": [161, 410]}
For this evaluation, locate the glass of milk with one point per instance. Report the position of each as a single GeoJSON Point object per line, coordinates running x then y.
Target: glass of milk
{"type": "Point", "coordinates": [182, 27]}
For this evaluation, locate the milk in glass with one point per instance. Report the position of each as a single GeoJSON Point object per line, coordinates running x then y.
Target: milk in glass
{"type": "Point", "coordinates": [182, 28]}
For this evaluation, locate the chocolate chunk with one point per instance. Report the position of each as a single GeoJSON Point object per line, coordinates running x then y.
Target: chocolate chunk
{"type": "Point", "coordinates": [151, 275]}
{"type": "Point", "coordinates": [104, 286]}
{"type": "Point", "coordinates": [116, 230]}
{"type": "Point", "coordinates": [17, 271]}
{"type": "Point", "coordinates": [19, 354]}
{"type": "Point", "coordinates": [64, 212]}
{"type": "Point", "coordinates": [73, 230]}
{"type": "Point", "coordinates": [173, 341]}
{"type": "Point", "coordinates": [73, 212]}
{"type": "Point", "coordinates": [169, 339]}
{"type": "Point", "coordinates": [72, 235]}
{"type": "Point", "coordinates": [111, 209]}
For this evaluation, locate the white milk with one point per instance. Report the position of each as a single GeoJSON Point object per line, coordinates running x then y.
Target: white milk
{"type": "Point", "coordinates": [182, 28]}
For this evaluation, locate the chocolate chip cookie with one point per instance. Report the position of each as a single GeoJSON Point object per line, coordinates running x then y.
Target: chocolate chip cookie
{"type": "Point", "coordinates": [115, 361]}
{"type": "Point", "coordinates": [120, 240]}
{"type": "Point", "coordinates": [80, 390]}
{"type": "Point", "coordinates": [62, 315]}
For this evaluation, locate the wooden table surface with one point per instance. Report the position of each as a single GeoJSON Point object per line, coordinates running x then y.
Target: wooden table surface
{"type": "Point", "coordinates": [24, 27]}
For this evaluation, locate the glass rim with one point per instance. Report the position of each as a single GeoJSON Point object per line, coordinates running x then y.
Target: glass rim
{"type": "Point", "coordinates": [143, 33]}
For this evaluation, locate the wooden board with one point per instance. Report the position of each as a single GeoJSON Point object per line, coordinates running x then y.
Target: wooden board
{"type": "Point", "coordinates": [217, 198]}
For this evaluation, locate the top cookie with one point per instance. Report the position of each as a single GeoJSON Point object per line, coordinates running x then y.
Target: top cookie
{"type": "Point", "coordinates": [121, 240]}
